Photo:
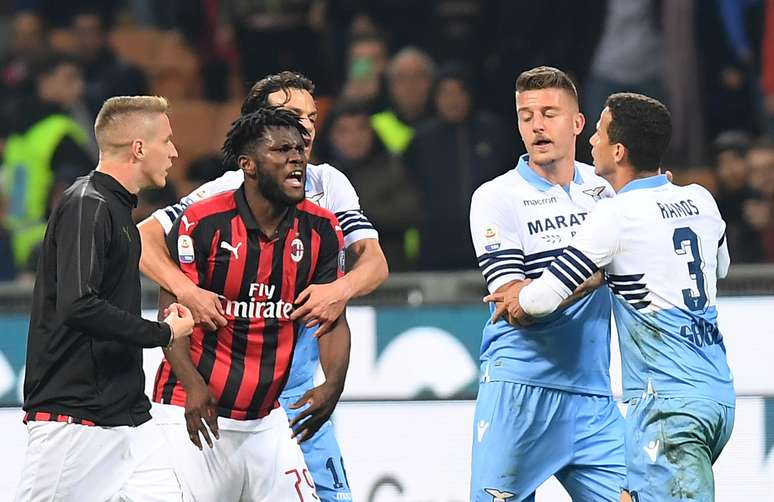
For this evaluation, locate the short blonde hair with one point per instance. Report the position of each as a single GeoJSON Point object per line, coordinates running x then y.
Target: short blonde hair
{"type": "Point", "coordinates": [112, 117]}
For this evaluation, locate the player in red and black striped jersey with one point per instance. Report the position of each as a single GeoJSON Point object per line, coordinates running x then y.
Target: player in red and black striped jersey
{"type": "Point", "coordinates": [257, 247]}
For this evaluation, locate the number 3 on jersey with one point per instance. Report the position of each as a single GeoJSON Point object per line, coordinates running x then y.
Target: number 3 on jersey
{"type": "Point", "coordinates": [685, 236]}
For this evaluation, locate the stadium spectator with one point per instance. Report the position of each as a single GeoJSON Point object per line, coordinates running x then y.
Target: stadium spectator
{"type": "Point", "coordinates": [365, 72]}
{"type": "Point", "coordinates": [387, 194]}
{"type": "Point", "coordinates": [760, 159]}
{"type": "Point", "coordinates": [629, 57]}
{"type": "Point", "coordinates": [105, 75]}
{"type": "Point", "coordinates": [737, 200]}
{"type": "Point", "coordinates": [729, 69]}
{"type": "Point", "coordinates": [45, 151]}
{"type": "Point", "coordinates": [767, 67]}
{"type": "Point", "coordinates": [409, 79]}
{"type": "Point", "coordinates": [285, 26]}
{"type": "Point", "coordinates": [29, 41]}
{"type": "Point", "coordinates": [451, 155]}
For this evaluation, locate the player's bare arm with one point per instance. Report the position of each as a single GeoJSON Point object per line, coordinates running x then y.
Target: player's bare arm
{"type": "Point", "coordinates": [156, 263]}
{"type": "Point", "coordinates": [322, 400]}
{"type": "Point", "coordinates": [321, 304]}
{"type": "Point", "coordinates": [200, 406]}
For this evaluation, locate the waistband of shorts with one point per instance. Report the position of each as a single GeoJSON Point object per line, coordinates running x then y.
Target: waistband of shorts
{"type": "Point", "coordinates": [44, 416]}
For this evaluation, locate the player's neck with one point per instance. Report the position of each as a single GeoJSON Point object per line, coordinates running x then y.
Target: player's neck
{"type": "Point", "coordinates": [625, 175]}
{"type": "Point", "coordinates": [267, 214]}
{"type": "Point", "coordinates": [121, 172]}
{"type": "Point", "coordinates": [560, 172]}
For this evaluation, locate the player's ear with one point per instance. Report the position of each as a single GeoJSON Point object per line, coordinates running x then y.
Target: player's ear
{"type": "Point", "coordinates": [247, 164]}
{"type": "Point", "coordinates": [620, 153]}
{"type": "Point", "coordinates": [138, 149]}
{"type": "Point", "coordinates": [579, 122]}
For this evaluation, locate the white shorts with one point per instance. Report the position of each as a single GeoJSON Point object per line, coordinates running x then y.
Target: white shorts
{"type": "Point", "coordinates": [254, 460]}
{"type": "Point", "coordinates": [79, 463]}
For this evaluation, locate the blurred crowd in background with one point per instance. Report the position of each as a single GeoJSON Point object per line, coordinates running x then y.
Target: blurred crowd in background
{"type": "Point", "coordinates": [416, 98]}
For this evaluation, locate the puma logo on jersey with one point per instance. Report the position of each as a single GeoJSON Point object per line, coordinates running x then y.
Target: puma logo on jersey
{"type": "Point", "coordinates": [498, 496]}
{"type": "Point", "coordinates": [652, 450]}
{"type": "Point", "coordinates": [482, 427]}
{"type": "Point", "coordinates": [595, 193]}
{"type": "Point", "coordinates": [229, 247]}
{"type": "Point", "coordinates": [188, 225]}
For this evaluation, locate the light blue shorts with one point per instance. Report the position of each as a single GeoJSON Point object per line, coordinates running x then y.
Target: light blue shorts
{"type": "Point", "coordinates": [323, 458]}
{"type": "Point", "coordinates": [671, 444]}
{"type": "Point", "coordinates": [523, 435]}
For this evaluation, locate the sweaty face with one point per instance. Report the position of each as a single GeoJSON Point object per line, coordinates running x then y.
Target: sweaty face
{"type": "Point", "coordinates": [159, 151]}
{"type": "Point", "coordinates": [601, 149]}
{"type": "Point", "coordinates": [549, 121]}
{"type": "Point", "coordinates": [302, 104]}
{"type": "Point", "coordinates": [280, 163]}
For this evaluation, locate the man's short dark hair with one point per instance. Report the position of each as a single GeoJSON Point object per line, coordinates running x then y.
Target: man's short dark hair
{"type": "Point", "coordinates": [643, 125]}
{"type": "Point", "coordinates": [47, 63]}
{"type": "Point", "coordinates": [545, 77]}
{"type": "Point", "coordinates": [285, 81]}
{"type": "Point", "coordinates": [248, 130]}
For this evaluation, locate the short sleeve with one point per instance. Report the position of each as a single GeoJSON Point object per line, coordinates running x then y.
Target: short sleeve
{"type": "Point", "coordinates": [592, 248]}
{"type": "Point", "coordinates": [496, 239]}
{"type": "Point", "coordinates": [342, 200]}
{"type": "Point", "coordinates": [330, 261]}
{"type": "Point", "coordinates": [227, 182]}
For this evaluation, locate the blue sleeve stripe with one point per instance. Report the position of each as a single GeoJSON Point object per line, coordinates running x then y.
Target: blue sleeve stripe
{"type": "Point", "coordinates": [501, 252]}
{"type": "Point", "coordinates": [349, 230]}
{"type": "Point", "coordinates": [580, 266]}
{"type": "Point", "coordinates": [544, 254]}
{"type": "Point", "coordinates": [634, 296]}
{"type": "Point", "coordinates": [582, 257]}
{"type": "Point", "coordinates": [506, 273]}
{"type": "Point", "coordinates": [626, 287]}
{"type": "Point", "coordinates": [722, 240]}
{"type": "Point", "coordinates": [559, 274]}
{"type": "Point", "coordinates": [625, 278]}
{"type": "Point", "coordinates": [352, 221]}
{"type": "Point", "coordinates": [501, 259]}
{"type": "Point", "coordinates": [510, 267]}
{"type": "Point", "coordinates": [573, 274]}
{"type": "Point", "coordinates": [170, 212]}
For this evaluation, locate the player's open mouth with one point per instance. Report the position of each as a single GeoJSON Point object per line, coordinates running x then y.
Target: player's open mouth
{"type": "Point", "coordinates": [542, 142]}
{"type": "Point", "coordinates": [295, 178]}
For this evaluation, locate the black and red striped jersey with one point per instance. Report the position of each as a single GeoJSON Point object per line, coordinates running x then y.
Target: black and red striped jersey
{"type": "Point", "coordinates": [218, 245]}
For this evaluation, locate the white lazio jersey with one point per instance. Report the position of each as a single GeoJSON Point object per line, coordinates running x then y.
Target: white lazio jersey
{"type": "Point", "coordinates": [663, 248]}
{"type": "Point", "coordinates": [326, 186]}
{"type": "Point", "coordinates": [519, 223]}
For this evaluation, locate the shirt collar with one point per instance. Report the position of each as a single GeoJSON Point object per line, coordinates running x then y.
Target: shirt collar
{"type": "Point", "coordinates": [110, 183]}
{"type": "Point", "coordinates": [649, 182]}
{"type": "Point", "coordinates": [538, 181]}
{"type": "Point", "coordinates": [243, 208]}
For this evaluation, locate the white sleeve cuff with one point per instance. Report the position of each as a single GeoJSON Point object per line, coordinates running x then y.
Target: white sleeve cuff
{"type": "Point", "coordinates": [539, 298]}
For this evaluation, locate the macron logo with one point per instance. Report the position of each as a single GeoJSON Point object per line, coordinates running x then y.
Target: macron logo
{"type": "Point", "coordinates": [184, 219]}
{"type": "Point", "coordinates": [234, 250]}
{"type": "Point", "coordinates": [482, 427]}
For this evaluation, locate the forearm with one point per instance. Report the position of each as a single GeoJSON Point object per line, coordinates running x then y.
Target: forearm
{"type": "Point", "coordinates": [179, 355]}
{"type": "Point", "coordinates": [155, 261]}
{"type": "Point", "coordinates": [539, 299]}
{"type": "Point", "coordinates": [369, 270]}
{"type": "Point", "coordinates": [98, 318]}
{"type": "Point", "coordinates": [334, 353]}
